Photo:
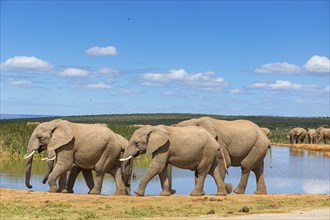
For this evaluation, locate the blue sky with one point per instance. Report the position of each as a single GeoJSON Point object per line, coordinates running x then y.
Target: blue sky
{"type": "Point", "coordinates": [213, 57]}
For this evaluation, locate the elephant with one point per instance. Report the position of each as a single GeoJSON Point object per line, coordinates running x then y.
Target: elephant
{"type": "Point", "coordinates": [311, 135]}
{"type": "Point", "coordinates": [245, 144]}
{"type": "Point", "coordinates": [266, 131]}
{"type": "Point", "coordinates": [89, 146]}
{"type": "Point", "coordinates": [322, 133]}
{"type": "Point", "coordinates": [297, 135]}
{"type": "Point", "coordinates": [184, 147]}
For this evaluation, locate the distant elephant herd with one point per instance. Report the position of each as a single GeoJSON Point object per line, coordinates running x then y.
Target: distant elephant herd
{"type": "Point", "coordinates": [204, 145]}
{"type": "Point", "coordinates": [298, 135]}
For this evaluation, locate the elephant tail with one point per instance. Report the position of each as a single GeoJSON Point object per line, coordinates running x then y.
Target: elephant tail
{"type": "Point", "coordinates": [270, 155]}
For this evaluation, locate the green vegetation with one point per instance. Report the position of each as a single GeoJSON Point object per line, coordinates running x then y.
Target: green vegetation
{"type": "Point", "coordinates": [15, 133]}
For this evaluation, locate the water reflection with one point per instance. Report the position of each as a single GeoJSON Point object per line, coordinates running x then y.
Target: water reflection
{"type": "Point", "coordinates": [293, 172]}
{"type": "Point", "coordinates": [296, 152]}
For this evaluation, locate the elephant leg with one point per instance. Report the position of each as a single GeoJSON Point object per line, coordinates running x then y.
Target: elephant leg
{"type": "Point", "coordinates": [202, 170]}
{"type": "Point", "coordinates": [88, 176]}
{"type": "Point", "coordinates": [218, 174]}
{"type": "Point", "coordinates": [196, 179]}
{"type": "Point", "coordinates": [169, 174]}
{"type": "Point", "coordinates": [62, 183]}
{"type": "Point", "coordinates": [72, 178]}
{"type": "Point", "coordinates": [240, 189]}
{"type": "Point", "coordinates": [165, 182]}
{"type": "Point", "coordinates": [156, 167]}
{"type": "Point", "coordinates": [63, 164]}
{"type": "Point", "coordinates": [120, 186]}
{"type": "Point", "coordinates": [98, 184]}
{"type": "Point", "coordinates": [260, 179]}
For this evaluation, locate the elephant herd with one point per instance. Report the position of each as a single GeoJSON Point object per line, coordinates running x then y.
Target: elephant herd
{"type": "Point", "coordinates": [298, 135]}
{"type": "Point", "coordinates": [204, 145]}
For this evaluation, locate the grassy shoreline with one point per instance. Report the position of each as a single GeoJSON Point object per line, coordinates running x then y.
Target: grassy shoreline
{"type": "Point", "coordinates": [30, 205]}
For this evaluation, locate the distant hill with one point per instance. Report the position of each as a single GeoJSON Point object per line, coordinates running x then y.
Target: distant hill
{"type": "Point", "coordinates": [14, 116]}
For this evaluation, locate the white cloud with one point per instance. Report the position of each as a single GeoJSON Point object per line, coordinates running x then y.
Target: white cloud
{"type": "Point", "coordinates": [130, 92]}
{"type": "Point", "coordinates": [26, 64]}
{"type": "Point", "coordinates": [169, 93]}
{"type": "Point", "coordinates": [278, 68]}
{"type": "Point", "coordinates": [204, 81]}
{"type": "Point", "coordinates": [107, 72]}
{"type": "Point", "coordinates": [317, 64]}
{"type": "Point", "coordinates": [98, 86]}
{"type": "Point", "coordinates": [73, 72]}
{"type": "Point", "coordinates": [258, 85]}
{"type": "Point", "coordinates": [235, 91]}
{"type": "Point", "coordinates": [277, 85]}
{"type": "Point", "coordinates": [101, 51]}
{"type": "Point", "coordinates": [281, 84]}
{"type": "Point", "coordinates": [165, 77]}
{"type": "Point", "coordinates": [21, 83]}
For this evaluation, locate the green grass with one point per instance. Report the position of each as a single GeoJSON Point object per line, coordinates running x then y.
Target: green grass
{"type": "Point", "coordinates": [15, 133]}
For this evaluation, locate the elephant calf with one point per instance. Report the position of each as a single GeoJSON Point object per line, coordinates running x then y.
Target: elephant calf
{"type": "Point", "coordinates": [184, 147]}
{"type": "Point", "coordinates": [89, 146]}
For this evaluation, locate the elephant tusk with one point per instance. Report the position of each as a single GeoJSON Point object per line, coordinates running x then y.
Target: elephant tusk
{"type": "Point", "coordinates": [30, 155]}
{"type": "Point", "coordinates": [45, 158]}
{"type": "Point", "coordinates": [124, 159]}
{"type": "Point", "coordinates": [51, 158]}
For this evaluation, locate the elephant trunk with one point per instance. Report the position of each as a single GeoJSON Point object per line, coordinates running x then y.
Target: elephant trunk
{"type": "Point", "coordinates": [31, 150]}
{"type": "Point", "coordinates": [127, 168]}
{"type": "Point", "coordinates": [28, 172]}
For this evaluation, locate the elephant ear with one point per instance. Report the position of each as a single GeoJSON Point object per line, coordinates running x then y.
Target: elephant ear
{"type": "Point", "coordinates": [62, 134]}
{"type": "Point", "coordinates": [156, 138]}
{"type": "Point", "coordinates": [209, 126]}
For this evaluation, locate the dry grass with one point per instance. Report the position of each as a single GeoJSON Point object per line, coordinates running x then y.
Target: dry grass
{"type": "Point", "coordinates": [310, 147]}
{"type": "Point", "coordinates": [17, 204]}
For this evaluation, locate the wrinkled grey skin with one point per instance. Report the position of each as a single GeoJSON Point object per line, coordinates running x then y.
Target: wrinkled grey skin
{"type": "Point", "coordinates": [311, 135]}
{"type": "Point", "coordinates": [89, 146]}
{"type": "Point", "coordinates": [322, 133]}
{"type": "Point", "coordinates": [184, 147]}
{"type": "Point", "coordinates": [245, 143]}
{"type": "Point", "coordinates": [297, 135]}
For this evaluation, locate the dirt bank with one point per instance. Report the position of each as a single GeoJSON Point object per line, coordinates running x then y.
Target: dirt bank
{"type": "Point", "coordinates": [17, 204]}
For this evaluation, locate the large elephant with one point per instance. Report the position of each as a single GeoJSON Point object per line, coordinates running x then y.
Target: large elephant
{"type": "Point", "coordinates": [186, 147]}
{"type": "Point", "coordinates": [89, 146]}
{"type": "Point", "coordinates": [322, 133]}
{"type": "Point", "coordinates": [311, 135]}
{"type": "Point", "coordinates": [245, 144]}
{"type": "Point", "coordinates": [297, 135]}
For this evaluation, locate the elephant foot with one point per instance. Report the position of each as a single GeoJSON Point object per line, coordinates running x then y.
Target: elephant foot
{"type": "Point", "coordinates": [165, 193]}
{"type": "Point", "coordinates": [196, 192]}
{"type": "Point", "coordinates": [229, 188]}
{"type": "Point", "coordinates": [239, 190]}
{"type": "Point", "coordinates": [94, 192]}
{"type": "Point", "coordinates": [260, 192]}
{"type": "Point", "coordinates": [120, 193]}
{"type": "Point", "coordinates": [69, 191]}
{"type": "Point", "coordinates": [173, 191]}
{"type": "Point", "coordinates": [221, 193]}
{"type": "Point", "coordinates": [53, 189]}
{"type": "Point", "coordinates": [139, 192]}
